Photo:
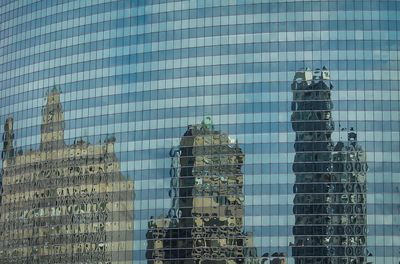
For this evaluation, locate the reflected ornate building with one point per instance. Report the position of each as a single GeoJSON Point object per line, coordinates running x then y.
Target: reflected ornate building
{"type": "Point", "coordinates": [64, 203]}
{"type": "Point", "coordinates": [205, 223]}
{"type": "Point", "coordinates": [330, 187]}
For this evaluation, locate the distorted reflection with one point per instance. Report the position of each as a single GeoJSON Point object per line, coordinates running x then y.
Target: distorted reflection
{"type": "Point", "coordinates": [330, 187]}
{"type": "Point", "coordinates": [64, 203]}
{"type": "Point", "coordinates": [205, 222]}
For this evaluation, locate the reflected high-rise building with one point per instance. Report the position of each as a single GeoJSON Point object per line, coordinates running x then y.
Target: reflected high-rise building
{"type": "Point", "coordinates": [205, 223]}
{"type": "Point", "coordinates": [330, 185]}
{"type": "Point", "coordinates": [142, 70]}
{"type": "Point", "coordinates": [63, 203]}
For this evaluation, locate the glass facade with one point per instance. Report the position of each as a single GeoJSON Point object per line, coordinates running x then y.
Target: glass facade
{"type": "Point", "coordinates": [205, 223]}
{"type": "Point", "coordinates": [330, 188]}
{"type": "Point", "coordinates": [194, 131]}
{"type": "Point", "coordinates": [64, 204]}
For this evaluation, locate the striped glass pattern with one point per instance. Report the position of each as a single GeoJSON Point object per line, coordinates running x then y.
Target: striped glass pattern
{"type": "Point", "coordinates": [133, 78]}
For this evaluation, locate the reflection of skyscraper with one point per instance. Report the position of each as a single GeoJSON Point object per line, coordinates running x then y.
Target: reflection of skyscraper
{"type": "Point", "coordinates": [275, 258]}
{"type": "Point", "coordinates": [206, 220]}
{"type": "Point", "coordinates": [350, 167]}
{"type": "Point", "coordinates": [329, 204]}
{"type": "Point", "coordinates": [64, 204]}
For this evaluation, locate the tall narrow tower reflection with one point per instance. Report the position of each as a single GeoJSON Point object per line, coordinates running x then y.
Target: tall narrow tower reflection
{"type": "Point", "coordinates": [330, 188]}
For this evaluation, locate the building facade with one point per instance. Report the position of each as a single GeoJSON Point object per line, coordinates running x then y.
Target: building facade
{"type": "Point", "coordinates": [330, 186]}
{"type": "Point", "coordinates": [141, 72]}
{"type": "Point", "coordinates": [205, 224]}
{"type": "Point", "coordinates": [63, 204]}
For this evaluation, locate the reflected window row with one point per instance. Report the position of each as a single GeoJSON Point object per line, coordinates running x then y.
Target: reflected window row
{"type": "Point", "coordinates": [379, 128]}
{"type": "Point", "coordinates": [186, 72]}
{"type": "Point", "coordinates": [255, 28]}
{"type": "Point", "coordinates": [215, 50]}
{"type": "Point", "coordinates": [163, 17]}
{"type": "Point", "coordinates": [221, 108]}
{"type": "Point", "coordinates": [386, 88]}
{"type": "Point", "coordinates": [145, 78]}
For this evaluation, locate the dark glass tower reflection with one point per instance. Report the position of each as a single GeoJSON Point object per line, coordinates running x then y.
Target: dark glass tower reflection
{"type": "Point", "coordinates": [205, 223]}
{"type": "Point", "coordinates": [330, 186]}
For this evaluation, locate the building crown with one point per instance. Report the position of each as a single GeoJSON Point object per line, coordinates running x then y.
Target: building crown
{"type": "Point", "coordinates": [309, 75]}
